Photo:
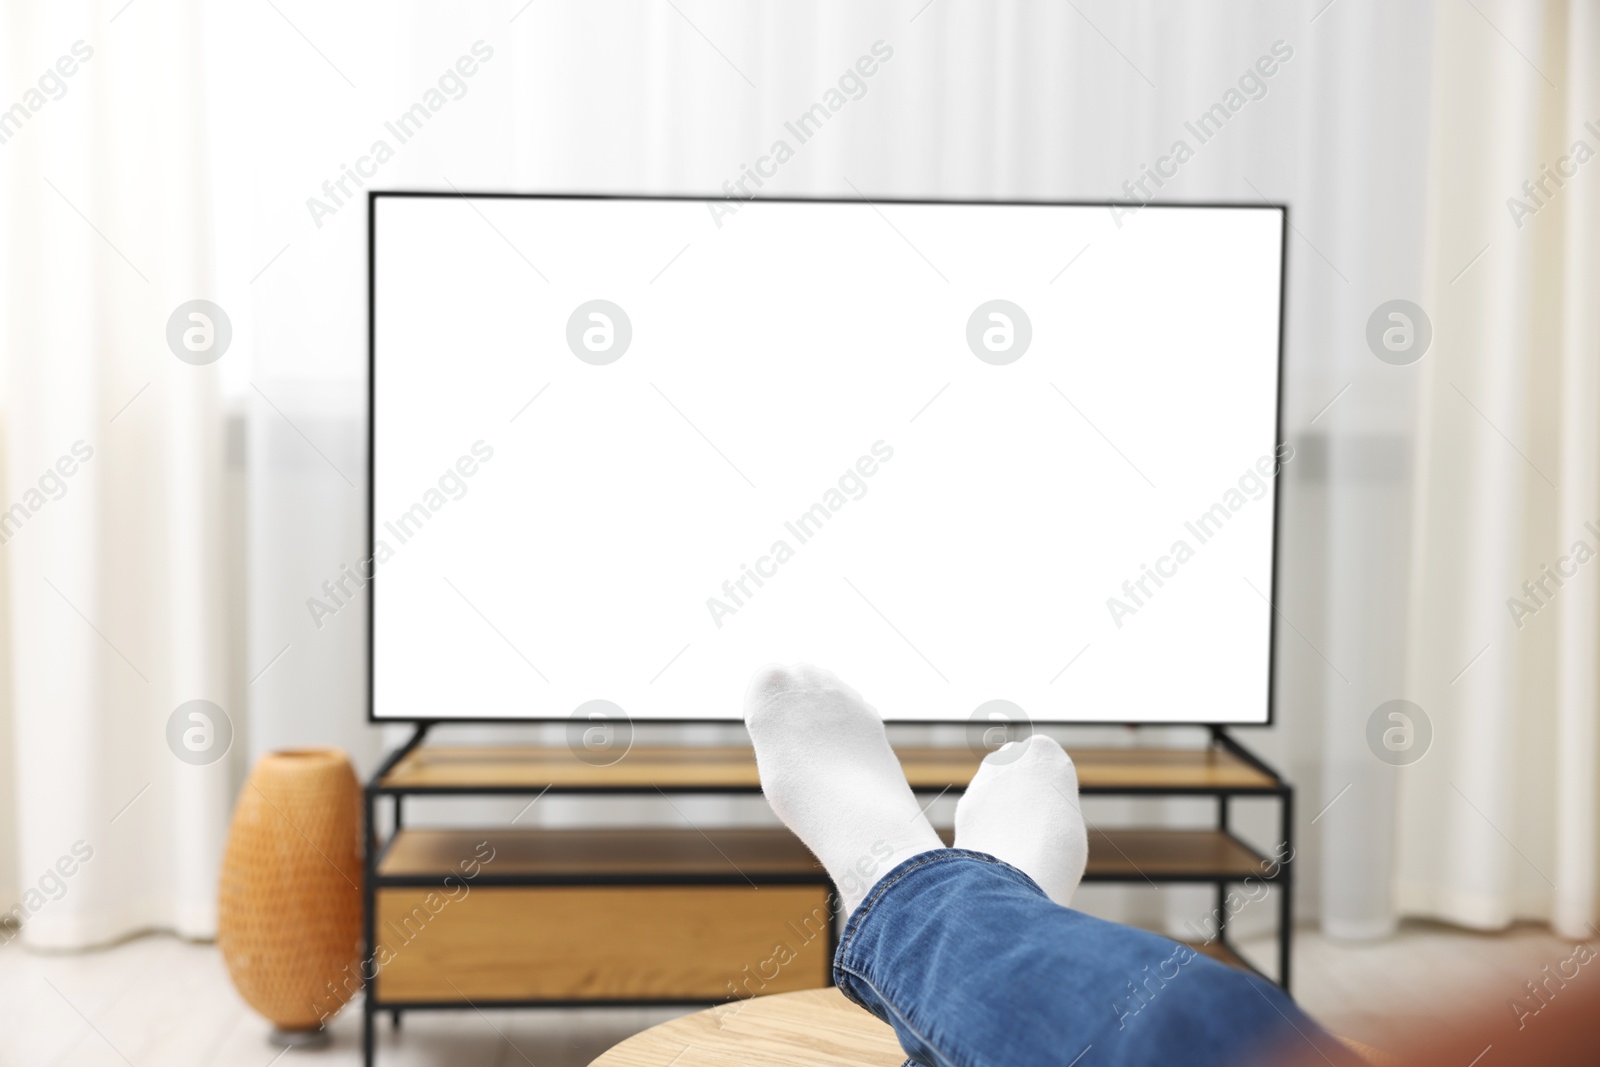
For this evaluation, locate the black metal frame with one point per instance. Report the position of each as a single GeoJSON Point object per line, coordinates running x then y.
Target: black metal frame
{"type": "Point", "coordinates": [1282, 879]}
{"type": "Point", "coordinates": [374, 195]}
{"type": "Point", "coordinates": [374, 853]}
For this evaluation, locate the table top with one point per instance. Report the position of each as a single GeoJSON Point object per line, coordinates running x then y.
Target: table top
{"type": "Point", "coordinates": [811, 1028]}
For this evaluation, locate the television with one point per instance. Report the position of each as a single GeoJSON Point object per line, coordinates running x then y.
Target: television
{"type": "Point", "coordinates": [983, 460]}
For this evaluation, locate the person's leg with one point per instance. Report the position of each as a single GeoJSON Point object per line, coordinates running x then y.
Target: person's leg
{"type": "Point", "coordinates": [964, 954]}
{"type": "Point", "coordinates": [974, 966]}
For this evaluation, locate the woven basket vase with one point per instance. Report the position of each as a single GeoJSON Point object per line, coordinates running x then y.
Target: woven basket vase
{"type": "Point", "coordinates": [289, 911]}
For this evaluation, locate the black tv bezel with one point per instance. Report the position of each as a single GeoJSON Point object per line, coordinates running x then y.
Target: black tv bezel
{"type": "Point", "coordinates": [374, 195]}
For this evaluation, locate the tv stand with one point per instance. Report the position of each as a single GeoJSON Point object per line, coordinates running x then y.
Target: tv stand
{"type": "Point", "coordinates": [566, 918]}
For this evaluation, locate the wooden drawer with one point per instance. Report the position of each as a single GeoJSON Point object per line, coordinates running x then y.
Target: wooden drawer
{"type": "Point", "coordinates": [601, 942]}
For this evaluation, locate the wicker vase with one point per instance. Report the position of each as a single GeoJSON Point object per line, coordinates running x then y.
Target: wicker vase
{"type": "Point", "coordinates": [289, 911]}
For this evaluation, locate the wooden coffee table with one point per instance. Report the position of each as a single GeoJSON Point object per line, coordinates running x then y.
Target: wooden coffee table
{"type": "Point", "coordinates": [811, 1028]}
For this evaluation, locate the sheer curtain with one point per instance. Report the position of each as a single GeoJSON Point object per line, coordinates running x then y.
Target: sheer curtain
{"type": "Point", "coordinates": [210, 516]}
{"type": "Point", "coordinates": [1499, 821]}
{"type": "Point", "coordinates": [117, 553]}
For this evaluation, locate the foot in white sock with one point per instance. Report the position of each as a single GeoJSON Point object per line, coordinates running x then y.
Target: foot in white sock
{"type": "Point", "coordinates": [1022, 807]}
{"type": "Point", "coordinates": [829, 773]}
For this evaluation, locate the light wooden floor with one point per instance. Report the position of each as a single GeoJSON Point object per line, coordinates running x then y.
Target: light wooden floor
{"type": "Point", "coordinates": [160, 1002]}
{"type": "Point", "coordinates": [1374, 991]}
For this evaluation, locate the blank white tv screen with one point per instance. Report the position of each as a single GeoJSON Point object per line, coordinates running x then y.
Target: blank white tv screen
{"type": "Point", "coordinates": [629, 450]}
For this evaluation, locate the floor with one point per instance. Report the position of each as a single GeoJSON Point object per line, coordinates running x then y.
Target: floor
{"type": "Point", "coordinates": [159, 1002]}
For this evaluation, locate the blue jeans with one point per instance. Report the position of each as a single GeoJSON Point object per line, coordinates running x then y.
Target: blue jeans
{"type": "Point", "coordinates": [974, 966]}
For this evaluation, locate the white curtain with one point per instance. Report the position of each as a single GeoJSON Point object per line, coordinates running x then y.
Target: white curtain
{"type": "Point", "coordinates": [116, 551]}
{"type": "Point", "coordinates": [1499, 821]}
{"type": "Point", "coordinates": [226, 495]}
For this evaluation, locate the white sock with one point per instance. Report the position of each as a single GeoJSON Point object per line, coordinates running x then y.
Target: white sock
{"type": "Point", "coordinates": [829, 773]}
{"type": "Point", "coordinates": [1022, 807]}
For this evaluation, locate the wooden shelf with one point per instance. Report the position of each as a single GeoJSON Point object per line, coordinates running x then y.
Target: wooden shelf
{"type": "Point", "coordinates": [1169, 855]}
{"type": "Point", "coordinates": [663, 856]}
{"type": "Point", "coordinates": [599, 856]}
{"type": "Point", "coordinates": [732, 769]}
